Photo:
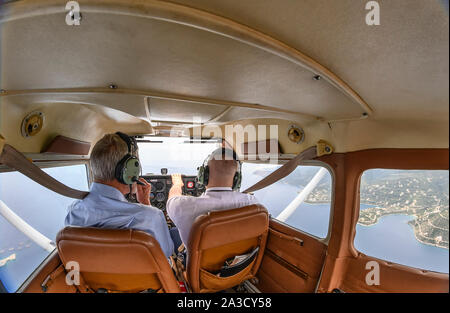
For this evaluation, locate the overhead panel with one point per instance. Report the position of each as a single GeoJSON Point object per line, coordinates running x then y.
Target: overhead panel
{"type": "Point", "coordinates": [182, 111]}
{"type": "Point", "coordinates": [141, 53]}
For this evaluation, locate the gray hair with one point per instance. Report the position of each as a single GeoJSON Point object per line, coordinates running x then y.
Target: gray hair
{"type": "Point", "coordinates": [105, 155]}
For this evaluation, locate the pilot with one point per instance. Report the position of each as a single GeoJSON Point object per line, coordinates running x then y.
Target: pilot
{"type": "Point", "coordinates": [115, 168]}
{"type": "Point", "coordinates": [221, 174]}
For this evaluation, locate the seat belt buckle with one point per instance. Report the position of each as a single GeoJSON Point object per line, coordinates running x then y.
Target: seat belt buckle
{"type": "Point", "coordinates": [48, 281]}
{"type": "Point", "coordinates": [181, 248]}
{"type": "Point", "coordinates": [323, 148]}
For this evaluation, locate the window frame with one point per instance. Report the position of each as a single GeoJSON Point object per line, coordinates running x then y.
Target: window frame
{"type": "Point", "coordinates": [282, 160]}
{"type": "Point", "coordinates": [50, 161]}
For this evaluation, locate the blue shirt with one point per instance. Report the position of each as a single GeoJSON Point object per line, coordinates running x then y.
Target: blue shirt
{"type": "Point", "coordinates": [106, 207]}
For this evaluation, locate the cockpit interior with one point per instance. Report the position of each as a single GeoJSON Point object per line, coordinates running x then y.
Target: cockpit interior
{"type": "Point", "coordinates": [337, 114]}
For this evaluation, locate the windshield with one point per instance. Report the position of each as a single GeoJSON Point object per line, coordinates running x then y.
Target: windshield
{"type": "Point", "coordinates": [178, 155]}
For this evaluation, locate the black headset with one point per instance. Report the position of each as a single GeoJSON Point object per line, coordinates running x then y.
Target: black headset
{"type": "Point", "coordinates": [129, 168]}
{"type": "Point", "coordinates": [203, 170]}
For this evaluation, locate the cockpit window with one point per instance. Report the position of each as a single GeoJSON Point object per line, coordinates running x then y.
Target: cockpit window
{"type": "Point", "coordinates": [302, 199]}
{"type": "Point", "coordinates": [39, 207]}
{"type": "Point", "coordinates": [404, 217]}
{"type": "Point", "coordinates": [178, 155]}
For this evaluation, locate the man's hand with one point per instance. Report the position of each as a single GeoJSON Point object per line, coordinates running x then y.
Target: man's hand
{"type": "Point", "coordinates": [143, 192]}
{"type": "Point", "coordinates": [176, 180]}
{"type": "Point", "coordinates": [177, 184]}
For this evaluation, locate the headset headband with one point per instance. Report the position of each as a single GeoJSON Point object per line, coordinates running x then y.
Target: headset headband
{"type": "Point", "coordinates": [130, 141]}
{"type": "Point", "coordinates": [203, 170]}
{"type": "Point", "coordinates": [223, 152]}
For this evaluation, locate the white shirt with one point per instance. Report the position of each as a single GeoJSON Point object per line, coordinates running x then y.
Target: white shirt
{"type": "Point", "coordinates": [183, 210]}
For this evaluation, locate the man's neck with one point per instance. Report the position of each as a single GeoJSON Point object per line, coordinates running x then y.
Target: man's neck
{"type": "Point", "coordinates": [124, 189]}
{"type": "Point", "coordinates": [218, 185]}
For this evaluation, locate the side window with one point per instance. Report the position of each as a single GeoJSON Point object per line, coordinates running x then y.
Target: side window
{"type": "Point", "coordinates": [302, 199]}
{"type": "Point", "coordinates": [404, 217]}
{"type": "Point", "coordinates": [42, 209]}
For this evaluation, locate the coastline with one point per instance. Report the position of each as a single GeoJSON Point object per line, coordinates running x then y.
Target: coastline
{"type": "Point", "coordinates": [380, 212]}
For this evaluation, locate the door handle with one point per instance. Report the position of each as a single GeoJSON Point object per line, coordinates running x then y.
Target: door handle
{"type": "Point", "coordinates": [286, 237]}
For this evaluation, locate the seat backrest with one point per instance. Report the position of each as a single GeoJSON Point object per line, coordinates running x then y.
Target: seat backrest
{"type": "Point", "coordinates": [118, 260]}
{"type": "Point", "coordinates": [221, 235]}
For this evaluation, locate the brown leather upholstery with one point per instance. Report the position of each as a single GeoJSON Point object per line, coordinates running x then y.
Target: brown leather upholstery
{"type": "Point", "coordinates": [118, 260]}
{"type": "Point", "coordinates": [220, 235]}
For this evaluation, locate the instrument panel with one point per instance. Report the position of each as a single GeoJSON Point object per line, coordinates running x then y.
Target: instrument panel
{"type": "Point", "coordinates": [161, 185]}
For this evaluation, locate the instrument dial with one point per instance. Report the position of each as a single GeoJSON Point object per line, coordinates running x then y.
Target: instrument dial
{"type": "Point", "coordinates": [160, 196]}
{"type": "Point", "coordinates": [159, 186]}
{"type": "Point", "coordinates": [190, 184]}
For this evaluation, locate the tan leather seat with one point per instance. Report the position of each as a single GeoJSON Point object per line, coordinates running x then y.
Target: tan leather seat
{"type": "Point", "coordinates": [118, 260]}
{"type": "Point", "coordinates": [221, 235]}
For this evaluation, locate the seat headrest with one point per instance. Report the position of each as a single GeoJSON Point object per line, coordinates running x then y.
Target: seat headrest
{"type": "Point", "coordinates": [110, 250]}
{"type": "Point", "coordinates": [222, 227]}
{"type": "Point", "coordinates": [104, 235]}
{"type": "Point", "coordinates": [116, 259]}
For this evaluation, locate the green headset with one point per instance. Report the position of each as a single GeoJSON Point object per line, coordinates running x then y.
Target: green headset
{"type": "Point", "coordinates": [203, 170]}
{"type": "Point", "coordinates": [128, 168]}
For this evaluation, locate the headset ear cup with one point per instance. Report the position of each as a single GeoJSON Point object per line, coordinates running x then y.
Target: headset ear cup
{"type": "Point", "coordinates": [120, 168]}
{"type": "Point", "coordinates": [203, 175]}
{"type": "Point", "coordinates": [237, 179]}
{"type": "Point", "coordinates": [200, 175]}
{"type": "Point", "coordinates": [131, 170]}
{"type": "Point", "coordinates": [127, 169]}
{"type": "Point", "coordinates": [206, 175]}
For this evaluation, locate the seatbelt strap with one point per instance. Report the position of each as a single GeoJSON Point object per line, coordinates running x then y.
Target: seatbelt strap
{"type": "Point", "coordinates": [60, 270]}
{"type": "Point", "coordinates": [181, 248]}
{"type": "Point", "coordinates": [321, 148]}
{"type": "Point", "coordinates": [48, 281]}
{"type": "Point", "coordinates": [16, 160]}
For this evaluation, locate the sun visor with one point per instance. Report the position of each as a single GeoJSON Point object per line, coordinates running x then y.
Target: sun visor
{"type": "Point", "coordinates": [64, 145]}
